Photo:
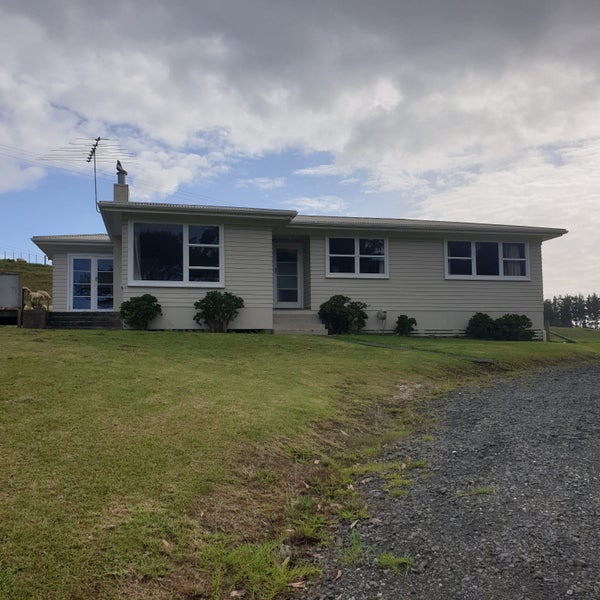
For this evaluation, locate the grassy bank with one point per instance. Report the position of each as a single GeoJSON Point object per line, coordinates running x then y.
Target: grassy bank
{"type": "Point", "coordinates": [33, 276]}
{"type": "Point", "coordinates": [179, 465]}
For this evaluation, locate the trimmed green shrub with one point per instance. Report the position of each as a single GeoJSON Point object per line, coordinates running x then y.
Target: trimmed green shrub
{"type": "Point", "coordinates": [514, 328]}
{"type": "Point", "coordinates": [481, 326]}
{"type": "Point", "coordinates": [137, 312]}
{"type": "Point", "coordinates": [509, 327]}
{"type": "Point", "coordinates": [340, 314]}
{"type": "Point", "coordinates": [405, 325]}
{"type": "Point", "coordinates": [217, 310]}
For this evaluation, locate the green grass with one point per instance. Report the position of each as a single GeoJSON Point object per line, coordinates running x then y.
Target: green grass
{"type": "Point", "coordinates": [34, 276]}
{"type": "Point", "coordinates": [161, 464]}
{"type": "Point", "coordinates": [501, 355]}
{"type": "Point", "coordinates": [395, 563]}
{"type": "Point", "coordinates": [589, 337]}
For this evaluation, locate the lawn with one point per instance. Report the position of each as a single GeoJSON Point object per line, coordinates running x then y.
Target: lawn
{"type": "Point", "coordinates": [589, 337]}
{"type": "Point", "coordinates": [179, 464]}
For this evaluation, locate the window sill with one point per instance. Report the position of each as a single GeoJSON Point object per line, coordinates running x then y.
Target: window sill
{"type": "Point", "coordinates": [175, 284]}
{"type": "Point", "coordinates": [485, 278]}
{"type": "Point", "coordinates": [354, 276]}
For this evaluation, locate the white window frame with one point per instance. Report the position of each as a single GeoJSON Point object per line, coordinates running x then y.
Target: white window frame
{"type": "Point", "coordinates": [94, 257]}
{"type": "Point", "coordinates": [186, 259]}
{"type": "Point", "coordinates": [357, 256]}
{"type": "Point", "coordinates": [473, 257]}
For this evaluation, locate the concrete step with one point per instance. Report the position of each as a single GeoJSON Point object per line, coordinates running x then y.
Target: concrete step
{"type": "Point", "coordinates": [84, 320]}
{"type": "Point", "coordinates": [297, 322]}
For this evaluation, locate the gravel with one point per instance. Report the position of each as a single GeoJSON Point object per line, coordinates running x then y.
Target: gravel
{"type": "Point", "coordinates": [508, 506]}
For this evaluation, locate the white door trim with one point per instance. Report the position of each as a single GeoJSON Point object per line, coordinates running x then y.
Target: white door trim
{"type": "Point", "coordinates": [300, 283]}
{"type": "Point", "coordinates": [94, 258]}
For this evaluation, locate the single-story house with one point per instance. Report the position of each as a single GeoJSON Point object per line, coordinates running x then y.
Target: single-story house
{"type": "Point", "coordinates": [285, 265]}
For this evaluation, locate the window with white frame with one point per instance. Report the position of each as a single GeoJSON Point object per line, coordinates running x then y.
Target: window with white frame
{"type": "Point", "coordinates": [470, 259]}
{"type": "Point", "coordinates": [356, 257]}
{"type": "Point", "coordinates": [174, 254]}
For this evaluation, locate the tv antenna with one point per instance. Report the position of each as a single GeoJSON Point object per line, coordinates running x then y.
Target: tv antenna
{"type": "Point", "coordinates": [98, 149]}
{"type": "Point", "coordinates": [92, 156]}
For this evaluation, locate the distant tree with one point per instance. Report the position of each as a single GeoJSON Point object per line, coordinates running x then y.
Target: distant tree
{"type": "Point", "coordinates": [551, 314]}
{"type": "Point", "coordinates": [578, 311]}
{"type": "Point", "coordinates": [565, 307]}
{"type": "Point", "coordinates": [592, 305]}
{"type": "Point", "coordinates": [573, 311]}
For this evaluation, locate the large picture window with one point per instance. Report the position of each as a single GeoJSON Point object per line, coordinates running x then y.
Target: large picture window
{"type": "Point", "coordinates": [469, 259]}
{"type": "Point", "coordinates": [356, 257]}
{"type": "Point", "coordinates": [172, 254]}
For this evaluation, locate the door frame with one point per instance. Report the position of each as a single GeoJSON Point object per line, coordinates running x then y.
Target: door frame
{"type": "Point", "coordinates": [94, 283]}
{"type": "Point", "coordinates": [300, 270]}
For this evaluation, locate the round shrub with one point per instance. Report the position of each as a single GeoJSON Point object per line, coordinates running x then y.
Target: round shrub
{"type": "Point", "coordinates": [514, 328]}
{"type": "Point", "coordinates": [405, 325]}
{"type": "Point", "coordinates": [137, 312]}
{"type": "Point", "coordinates": [217, 310]}
{"type": "Point", "coordinates": [340, 315]}
{"type": "Point", "coordinates": [481, 326]}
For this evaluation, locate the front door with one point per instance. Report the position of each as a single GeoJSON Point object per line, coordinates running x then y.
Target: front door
{"type": "Point", "coordinates": [91, 283]}
{"type": "Point", "coordinates": [287, 286]}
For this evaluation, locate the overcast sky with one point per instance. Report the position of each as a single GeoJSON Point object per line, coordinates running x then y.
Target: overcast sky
{"type": "Point", "coordinates": [471, 110]}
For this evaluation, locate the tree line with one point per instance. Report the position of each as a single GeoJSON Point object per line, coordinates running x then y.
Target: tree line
{"type": "Point", "coordinates": [573, 311]}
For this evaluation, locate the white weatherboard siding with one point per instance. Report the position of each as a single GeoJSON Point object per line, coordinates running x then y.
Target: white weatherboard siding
{"type": "Point", "coordinates": [248, 273]}
{"type": "Point", "coordinates": [60, 282]}
{"type": "Point", "coordinates": [416, 286]}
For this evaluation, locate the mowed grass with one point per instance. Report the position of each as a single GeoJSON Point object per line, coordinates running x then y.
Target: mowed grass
{"type": "Point", "coordinates": [164, 464]}
{"type": "Point", "coordinates": [590, 337]}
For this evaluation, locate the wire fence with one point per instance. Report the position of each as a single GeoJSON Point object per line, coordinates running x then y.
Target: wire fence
{"type": "Point", "coordinates": [30, 257]}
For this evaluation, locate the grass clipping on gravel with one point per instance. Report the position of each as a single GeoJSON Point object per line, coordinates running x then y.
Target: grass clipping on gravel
{"type": "Point", "coordinates": [172, 464]}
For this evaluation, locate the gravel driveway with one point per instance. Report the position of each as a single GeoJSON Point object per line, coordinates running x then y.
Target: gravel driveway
{"type": "Point", "coordinates": [509, 508]}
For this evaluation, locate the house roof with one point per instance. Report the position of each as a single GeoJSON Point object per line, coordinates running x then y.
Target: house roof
{"type": "Point", "coordinates": [49, 244]}
{"type": "Point", "coordinates": [421, 226]}
{"type": "Point", "coordinates": [112, 212]}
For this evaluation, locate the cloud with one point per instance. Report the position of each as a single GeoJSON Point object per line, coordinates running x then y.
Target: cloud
{"type": "Point", "coordinates": [472, 107]}
{"type": "Point", "coordinates": [262, 183]}
{"type": "Point", "coordinates": [323, 205]}
{"type": "Point", "coordinates": [542, 191]}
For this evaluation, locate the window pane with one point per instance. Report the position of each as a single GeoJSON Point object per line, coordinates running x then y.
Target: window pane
{"type": "Point", "coordinates": [341, 246]}
{"type": "Point", "coordinates": [105, 290]}
{"type": "Point", "coordinates": [82, 264]}
{"type": "Point", "coordinates": [81, 290]}
{"type": "Point", "coordinates": [204, 257]}
{"type": "Point", "coordinates": [287, 295]}
{"type": "Point", "coordinates": [105, 277]}
{"type": "Point", "coordinates": [105, 264]}
{"type": "Point", "coordinates": [515, 268]}
{"type": "Point", "coordinates": [82, 277]}
{"type": "Point", "coordinates": [458, 266]}
{"type": "Point", "coordinates": [372, 247]}
{"type": "Point", "coordinates": [513, 250]}
{"type": "Point", "coordinates": [105, 303]}
{"type": "Point", "coordinates": [199, 234]}
{"type": "Point", "coordinates": [207, 275]}
{"type": "Point", "coordinates": [456, 249]}
{"type": "Point", "coordinates": [372, 265]}
{"type": "Point", "coordinates": [341, 264]}
{"type": "Point", "coordinates": [80, 303]}
{"type": "Point", "coordinates": [158, 252]}
{"type": "Point", "coordinates": [286, 255]}
{"type": "Point", "coordinates": [286, 268]}
{"type": "Point", "coordinates": [486, 258]}
{"type": "Point", "coordinates": [287, 281]}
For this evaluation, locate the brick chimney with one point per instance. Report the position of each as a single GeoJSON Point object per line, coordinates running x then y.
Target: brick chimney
{"type": "Point", "coordinates": [121, 189]}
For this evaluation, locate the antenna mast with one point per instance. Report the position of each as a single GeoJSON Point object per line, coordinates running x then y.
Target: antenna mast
{"type": "Point", "coordinates": [92, 155]}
